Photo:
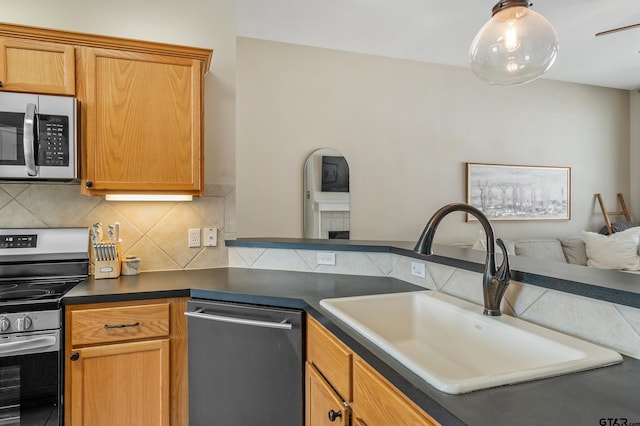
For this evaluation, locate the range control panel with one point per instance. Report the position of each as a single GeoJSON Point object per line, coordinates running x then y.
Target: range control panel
{"type": "Point", "coordinates": [18, 241]}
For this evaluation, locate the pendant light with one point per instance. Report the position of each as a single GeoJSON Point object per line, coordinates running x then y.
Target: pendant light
{"type": "Point", "coordinates": [516, 46]}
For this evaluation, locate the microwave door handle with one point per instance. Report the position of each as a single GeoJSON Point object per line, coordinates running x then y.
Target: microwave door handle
{"type": "Point", "coordinates": [29, 139]}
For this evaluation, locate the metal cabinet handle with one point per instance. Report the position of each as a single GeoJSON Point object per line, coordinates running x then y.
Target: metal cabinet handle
{"type": "Point", "coordinates": [74, 356]}
{"type": "Point", "coordinates": [29, 138]}
{"type": "Point", "coordinates": [334, 415]}
{"type": "Point", "coordinates": [242, 321]}
{"type": "Point", "coordinates": [135, 324]}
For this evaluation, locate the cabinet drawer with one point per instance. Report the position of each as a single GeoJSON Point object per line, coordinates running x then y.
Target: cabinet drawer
{"type": "Point", "coordinates": [377, 402]}
{"type": "Point", "coordinates": [118, 324]}
{"type": "Point", "coordinates": [331, 358]}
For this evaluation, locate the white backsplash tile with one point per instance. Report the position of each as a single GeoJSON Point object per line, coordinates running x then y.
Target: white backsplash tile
{"type": "Point", "coordinates": [352, 263]}
{"type": "Point", "coordinates": [402, 271]}
{"type": "Point", "coordinates": [440, 274]}
{"type": "Point", "coordinates": [589, 319]}
{"type": "Point", "coordinates": [154, 231]}
{"type": "Point", "coordinates": [244, 257]}
{"type": "Point", "coordinates": [522, 296]}
{"type": "Point", "coordinates": [383, 261]}
{"type": "Point", "coordinates": [281, 259]}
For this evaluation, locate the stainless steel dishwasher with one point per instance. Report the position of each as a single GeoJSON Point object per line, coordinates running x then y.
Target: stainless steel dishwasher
{"type": "Point", "coordinates": [245, 365]}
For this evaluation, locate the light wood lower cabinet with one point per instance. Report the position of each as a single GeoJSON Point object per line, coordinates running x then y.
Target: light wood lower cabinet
{"type": "Point", "coordinates": [324, 406]}
{"type": "Point", "coordinates": [126, 363]}
{"type": "Point", "coordinates": [377, 402]}
{"type": "Point", "coordinates": [337, 377]}
{"type": "Point", "coordinates": [121, 384]}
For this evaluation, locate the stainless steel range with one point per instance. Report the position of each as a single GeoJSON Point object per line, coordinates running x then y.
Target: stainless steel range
{"type": "Point", "coordinates": [37, 267]}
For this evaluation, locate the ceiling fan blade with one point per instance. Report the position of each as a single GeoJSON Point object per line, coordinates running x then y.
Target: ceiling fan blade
{"type": "Point", "coordinates": [615, 30]}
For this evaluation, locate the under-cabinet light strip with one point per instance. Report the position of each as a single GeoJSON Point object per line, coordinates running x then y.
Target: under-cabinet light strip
{"type": "Point", "coordinates": [147, 197]}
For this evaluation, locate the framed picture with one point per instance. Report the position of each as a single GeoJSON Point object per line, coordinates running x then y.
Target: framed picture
{"type": "Point", "coordinates": [505, 192]}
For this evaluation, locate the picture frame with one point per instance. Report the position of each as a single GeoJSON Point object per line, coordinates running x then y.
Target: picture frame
{"type": "Point", "coordinates": [514, 192]}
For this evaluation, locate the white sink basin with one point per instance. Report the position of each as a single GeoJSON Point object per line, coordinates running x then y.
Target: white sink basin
{"type": "Point", "coordinates": [454, 347]}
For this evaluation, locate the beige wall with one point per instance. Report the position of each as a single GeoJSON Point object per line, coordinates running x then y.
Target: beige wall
{"type": "Point", "coordinates": [407, 129]}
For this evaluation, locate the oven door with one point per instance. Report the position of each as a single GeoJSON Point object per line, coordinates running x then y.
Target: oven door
{"type": "Point", "coordinates": [30, 379]}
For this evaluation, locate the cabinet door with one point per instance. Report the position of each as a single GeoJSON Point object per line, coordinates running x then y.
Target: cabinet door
{"type": "Point", "coordinates": [123, 384]}
{"type": "Point", "coordinates": [37, 67]}
{"type": "Point", "coordinates": [142, 130]}
{"type": "Point", "coordinates": [323, 406]}
{"type": "Point", "coordinates": [377, 403]}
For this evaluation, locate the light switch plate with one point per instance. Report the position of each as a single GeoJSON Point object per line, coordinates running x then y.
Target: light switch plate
{"type": "Point", "coordinates": [210, 237]}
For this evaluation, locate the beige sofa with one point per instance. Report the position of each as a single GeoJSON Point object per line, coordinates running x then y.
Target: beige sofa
{"type": "Point", "coordinates": [620, 251]}
{"type": "Point", "coordinates": [565, 250]}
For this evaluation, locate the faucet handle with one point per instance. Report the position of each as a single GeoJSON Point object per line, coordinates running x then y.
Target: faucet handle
{"type": "Point", "coordinates": [504, 272]}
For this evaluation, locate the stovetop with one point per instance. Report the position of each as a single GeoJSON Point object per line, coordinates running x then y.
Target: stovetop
{"type": "Point", "coordinates": [39, 265]}
{"type": "Point", "coordinates": [34, 295]}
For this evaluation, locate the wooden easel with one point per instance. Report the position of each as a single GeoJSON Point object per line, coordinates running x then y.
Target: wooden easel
{"type": "Point", "coordinates": [624, 212]}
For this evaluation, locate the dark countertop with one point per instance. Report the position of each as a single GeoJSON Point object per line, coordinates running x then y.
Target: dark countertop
{"type": "Point", "coordinates": [579, 398]}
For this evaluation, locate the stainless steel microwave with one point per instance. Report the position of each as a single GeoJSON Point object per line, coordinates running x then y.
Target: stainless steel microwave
{"type": "Point", "coordinates": [38, 137]}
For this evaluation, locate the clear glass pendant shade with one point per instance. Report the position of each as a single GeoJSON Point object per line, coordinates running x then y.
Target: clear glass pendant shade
{"type": "Point", "coordinates": [516, 46]}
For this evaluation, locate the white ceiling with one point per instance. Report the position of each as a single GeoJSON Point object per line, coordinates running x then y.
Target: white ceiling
{"type": "Point", "coordinates": [441, 31]}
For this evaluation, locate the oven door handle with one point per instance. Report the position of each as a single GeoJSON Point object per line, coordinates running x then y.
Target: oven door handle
{"type": "Point", "coordinates": [30, 138]}
{"type": "Point", "coordinates": [26, 344]}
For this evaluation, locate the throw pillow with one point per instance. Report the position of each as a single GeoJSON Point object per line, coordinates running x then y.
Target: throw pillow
{"type": "Point", "coordinates": [547, 249]}
{"type": "Point", "coordinates": [574, 250]}
{"type": "Point", "coordinates": [617, 251]}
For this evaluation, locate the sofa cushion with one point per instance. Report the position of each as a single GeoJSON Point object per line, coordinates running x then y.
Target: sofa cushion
{"type": "Point", "coordinates": [481, 244]}
{"type": "Point", "coordinates": [548, 249]}
{"type": "Point", "coordinates": [575, 250]}
{"type": "Point", "coordinates": [617, 251]}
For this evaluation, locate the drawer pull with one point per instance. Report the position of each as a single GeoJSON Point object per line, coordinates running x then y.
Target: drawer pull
{"type": "Point", "coordinates": [135, 324]}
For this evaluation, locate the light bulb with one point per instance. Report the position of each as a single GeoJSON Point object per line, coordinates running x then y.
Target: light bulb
{"type": "Point", "coordinates": [516, 46]}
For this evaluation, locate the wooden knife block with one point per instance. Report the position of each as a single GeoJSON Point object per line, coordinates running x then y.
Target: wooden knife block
{"type": "Point", "coordinates": [107, 268]}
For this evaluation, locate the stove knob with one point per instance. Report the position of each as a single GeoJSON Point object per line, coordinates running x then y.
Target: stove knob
{"type": "Point", "coordinates": [23, 323]}
{"type": "Point", "coordinates": [4, 324]}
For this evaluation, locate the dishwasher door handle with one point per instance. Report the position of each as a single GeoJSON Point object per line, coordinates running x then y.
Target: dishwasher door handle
{"type": "Point", "coordinates": [242, 321]}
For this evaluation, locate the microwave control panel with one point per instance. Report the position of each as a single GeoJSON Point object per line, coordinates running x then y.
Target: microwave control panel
{"type": "Point", "coordinates": [54, 140]}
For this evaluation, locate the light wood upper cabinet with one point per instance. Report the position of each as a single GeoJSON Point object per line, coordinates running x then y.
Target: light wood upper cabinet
{"type": "Point", "coordinates": [142, 122]}
{"type": "Point", "coordinates": [37, 67]}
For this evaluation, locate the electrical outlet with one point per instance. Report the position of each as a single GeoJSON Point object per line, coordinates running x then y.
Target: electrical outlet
{"type": "Point", "coordinates": [210, 237]}
{"type": "Point", "coordinates": [418, 269]}
{"type": "Point", "coordinates": [194, 237]}
{"type": "Point", "coordinates": [326, 258]}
